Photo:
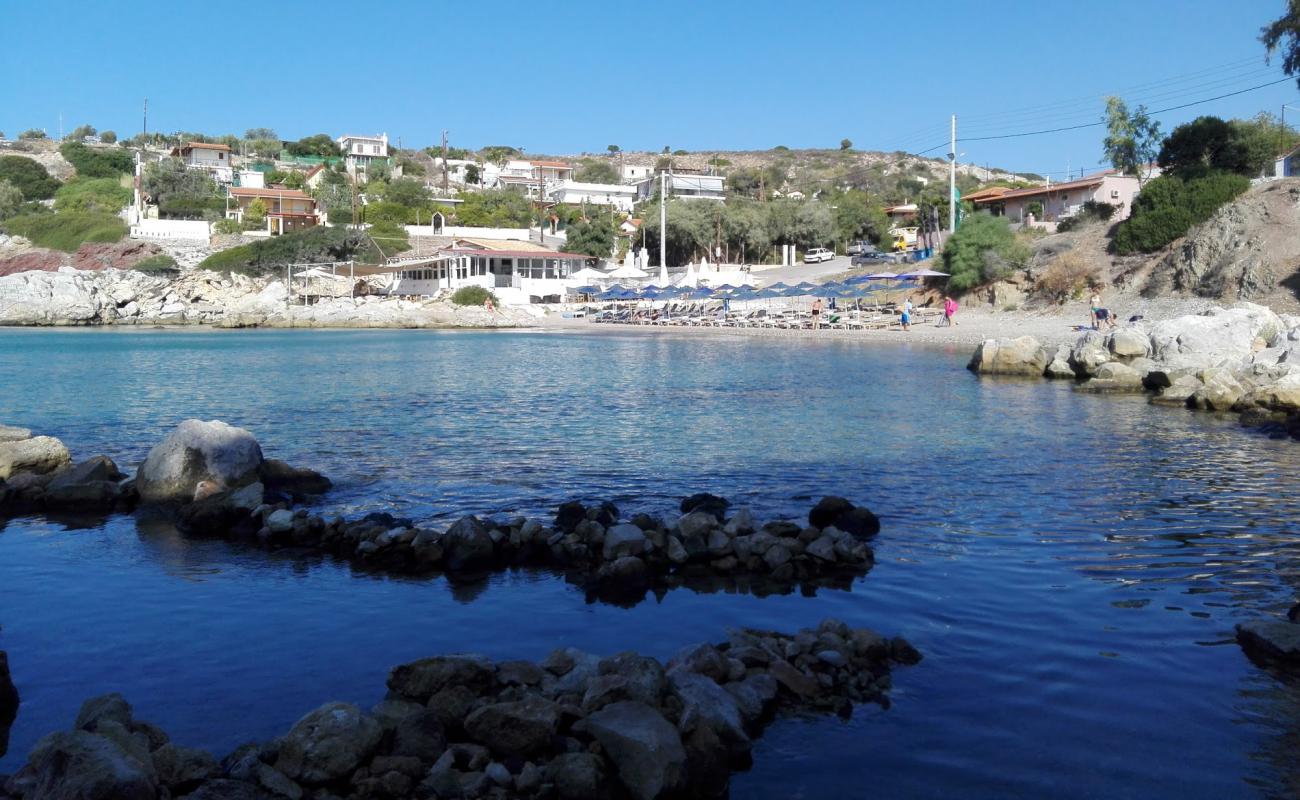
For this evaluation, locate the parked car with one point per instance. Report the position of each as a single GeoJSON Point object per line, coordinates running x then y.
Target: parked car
{"type": "Point", "coordinates": [858, 247]}
{"type": "Point", "coordinates": [870, 256]}
{"type": "Point", "coordinates": [818, 254]}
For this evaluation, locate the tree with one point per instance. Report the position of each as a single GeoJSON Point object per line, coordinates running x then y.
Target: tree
{"type": "Point", "coordinates": [253, 134]}
{"type": "Point", "coordinates": [169, 184]}
{"type": "Point", "coordinates": [408, 192]}
{"type": "Point", "coordinates": [1284, 33]}
{"type": "Point", "coordinates": [499, 153]}
{"type": "Point", "coordinates": [496, 208]}
{"type": "Point", "coordinates": [613, 148]}
{"type": "Point", "coordinates": [846, 144]}
{"type": "Point", "coordinates": [28, 176]}
{"type": "Point", "coordinates": [745, 228]}
{"type": "Point", "coordinates": [255, 214]}
{"type": "Point", "coordinates": [473, 175]}
{"type": "Point", "coordinates": [596, 171]}
{"type": "Point", "coordinates": [318, 145]}
{"type": "Point", "coordinates": [108, 137]}
{"type": "Point", "coordinates": [980, 251]}
{"type": "Point", "coordinates": [81, 132]}
{"type": "Point", "coordinates": [294, 180]}
{"type": "Point", "coordinates": [856, 216]}
{"type": "Point", "coordinates": [1263, 137]}
{"type": "Point", "coordinates": [11, 199]}
{"type": "Point", "coordinates": [1206, 143]}
{"type": "Point", "coordinates": [31, 134]}
{"type": "Point", "coordinates": [1132, 139]}
{"type": "Point", "coordinates": [265, 148]}
{"type": "Point", "coordinates": [592, 237]}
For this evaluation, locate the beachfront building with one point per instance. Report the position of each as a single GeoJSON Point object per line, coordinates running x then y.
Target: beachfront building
{"type": "Point", "coordinates": [206, 157]}
{"type": "Point", "coordinates": [1057, 201]}
{"type": "Point", "coordinates": [618, 196]}
{"type": "Point", "coordinates": [1287, 165]}
{"type": "Point", "coordinates": [685, 187]}
{"type": "Point", "coordinates": [518, 273]}
{"type": "Point", "coordinates": [286, 209]}
{"type": "Point", "coordinates": [359, 152]}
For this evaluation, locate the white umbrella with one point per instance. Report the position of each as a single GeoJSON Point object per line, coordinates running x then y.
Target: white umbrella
{"type": "Point", "coordinates": [628, 271]}
{"type": "Point", "coordinates": [689, 280]}
{"type": "Point", "coordinates": [589, 274]}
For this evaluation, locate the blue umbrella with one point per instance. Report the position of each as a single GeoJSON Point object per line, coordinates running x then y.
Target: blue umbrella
{"type": "Point", "coordinates": [763, 294]}
{"type": "Point", "coordinates": [702, 291]}
{"type": "Point", "coordinates": [586, 290]}
{"type": "Point", "coordinates": [651, 292]}
{"type": "Point", "coordinates": [745, 293]}
{"type": "Point", "coordinates": [859, 279]}
{"type": "Point", "coordinates": [726, 287]}
{"type": "Point", "coordinates": [827, 290]}
{"type": "Point", "coordinates": [779, 286]}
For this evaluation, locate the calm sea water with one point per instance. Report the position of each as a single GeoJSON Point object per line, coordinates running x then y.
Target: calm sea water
{"type": "Point", "coordinates": [1070, 565]}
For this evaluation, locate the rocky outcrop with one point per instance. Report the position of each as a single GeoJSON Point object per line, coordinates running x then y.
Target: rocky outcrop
{"type": "Point", "coordinates": [1275, 642]}
{"type": "Point", "coordinates": [1022, 356]}
{"type": "Point", "coordinates": [38, 455]}
{"type": "Point", "coordinates": [574, 725]}
{"type": "Point", "coordinates": [68, 296]}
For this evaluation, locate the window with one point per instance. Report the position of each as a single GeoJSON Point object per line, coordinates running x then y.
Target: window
{"type": "Point", "coordinates": [375, 149]}
{"type": "Point", "coordinates": [220, 155]}
{"type": "Point", "coordinates": [1114, 193]}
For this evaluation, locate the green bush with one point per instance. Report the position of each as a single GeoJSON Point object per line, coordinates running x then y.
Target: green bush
{"type": "Point", "coordinates": [473, 296]}
{"type": "Point", "coordinates": [983, 249]}
{"type": "Point", "coordinates": [161, 264]}
{"type": "Point", "coordinates": [228, 226]}
{"type": "Point", "coordinates": [390, 238]}
{"type": "Point", "coordinates": [66, 230]}
{"type": "Point", "coordinates": [28, 176]}
{"type": "Point", "coordinates": [94, 163]}
{"type": "Point", "coordinates": [1169, 206]}
{"type": "Point", "coordinates": [1091, 211]}
{"type": "Point", "coordinates": [190, 207]}
{"type": "Point", "coordinates": [105, 195]}
{"type": "Point", "coordinates": [315, 245]}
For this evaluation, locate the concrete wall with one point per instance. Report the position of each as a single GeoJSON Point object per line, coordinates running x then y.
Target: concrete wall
{"type": "Point", "coordinates": [461, 231]}
{"type": "Point", "coordinates": [171, 229]}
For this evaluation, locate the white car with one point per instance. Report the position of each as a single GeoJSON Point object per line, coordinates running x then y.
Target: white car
{"type": "Point", "coordinates": [818, 254]}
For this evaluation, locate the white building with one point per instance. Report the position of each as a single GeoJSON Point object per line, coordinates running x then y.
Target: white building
{"type": "Point", "coordinates": [208, 157]}
{"type": "Point", "coordinates": [533, 178]}
{"type": "Point", "coordinates": [635, 173]}
{"type": "Point", "coordinates": [516, 273]}
{"type": "Point", "coordinates": [1287, 165]}
{"type": "Point", "coordinates": [686, 187]}
{"type": "Point", "coordinates": [359, 152]}
{"type": "Point", "coordinates": [602, 194]}
{"type": "Point", "coordinates": [457, 171]}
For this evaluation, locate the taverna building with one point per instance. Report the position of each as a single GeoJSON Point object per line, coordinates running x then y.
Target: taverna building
{"type": "Point", "coordinates": [518, 273]}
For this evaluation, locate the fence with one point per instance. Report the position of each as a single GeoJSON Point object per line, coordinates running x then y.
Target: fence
{"type": "Point", "coordinates": [171, 229]}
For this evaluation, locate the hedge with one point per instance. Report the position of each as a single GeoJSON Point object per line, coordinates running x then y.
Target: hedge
{"type": "Point", "coordinates": [1169, 206]}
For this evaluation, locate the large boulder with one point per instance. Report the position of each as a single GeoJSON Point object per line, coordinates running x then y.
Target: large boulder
{"type": "Point", "coordinates": [623, 540]}
{"type": "Point", "coordinates": [198, 451]}
{"type": "Point", "coordinates": [1088, 354]}
{"type": "Point", "coordinates": [646, 749]}
{"type": "Point", "coordinates": [8, 694]}
{"type": "Point", "coordinates": [91, 484]}
{"type": "Point", "coordinates": [280, 477]}
{"type": "Point", "coordinates": [1129, 343]}
{"type": "Point", "coordinates": [1114, 376]}
{"type": "Point", "coordinates": [1179, 392]}
{"type": "Point", "coordinates": [1216, 336]}
{"type": "Point", "coordinates": [1022, 356]}
{"type": "Point", "coordinates": [523, 728]}
{"type": "Point", "coordinates": [1220, 390]}
{"type": "Point", "coordinates": [79, 765]}
{"type": "Point", "coordinates": [468, 545]}
{"type": "Point", "coordinates": [1281, 395]}
{"type": "Point", "coordinates": [420, 680]}
{"type": "Point", "coordinates": [9, 433]}
{"type": "Point", "coordinates": [39, 454]}
{"type": "Point", "coordinates": [705, 702]}
{"type": "Point", "coordinates": [1271, 640]}
{"type": "Point", "coordinates": [328, 744]}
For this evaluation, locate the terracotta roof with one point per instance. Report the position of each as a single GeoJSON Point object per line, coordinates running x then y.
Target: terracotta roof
{"type": "Point", "coordinates": [991, 193]}
{"type": "Point", "coordinates": [517, 253]}
{"type": "Point", "coordinates": [562, 164]}
{"type": "Point", "coordinates": [314, 170]}
{"type": "Point", "coordinates": [204, 146]}
{"type": "Point", "coordinates": [284, 194]}
{"type": "Point", "coordinates": [1082, 183]}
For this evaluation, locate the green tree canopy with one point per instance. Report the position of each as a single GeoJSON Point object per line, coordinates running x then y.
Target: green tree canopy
{"type": "Point", "coordinates": [81, 132]}
{"type": "Point", "coordinates": [28, 176]}
{"type": "Point", "coordinates": [980, 251]}
{"type": "Point", "coordinates": [32, 133]}
{"type": "Point", "coordinates": [93, 162]}
{"type": "Point", "coordinates": [499, 153]}
{"type": "Point", "coordinates": [593, 170]}
{"type": "Point", "coordinates": [168, 183]}
{"type": "Point", "coordinates": [106, 195]}
{"type": "Point", "coordinates": [408, 192]}
{"type": "Point", "coordinates": [252, 134]}
{"type": "Point", "coordinates": [496, 208]}
{"type": "Point", "coordinates": [1132, 139]}
{"type": "Point", "coordinates": [846, 144]}
{"type": "Point", "coordinates": [108, 137]}
{"type": "Point", "coordinates": [318, 145]}
{"type": "Point", "coordinates": [265, 148]}
{"type": "Point", "coordinates": [11, 199]}
{"type": "Point", "coordinates": [593, 237]}
{"type": "Point", "coordinates": [1206, 143]}
{"type": "Point", "coordinates": [1283, 34]}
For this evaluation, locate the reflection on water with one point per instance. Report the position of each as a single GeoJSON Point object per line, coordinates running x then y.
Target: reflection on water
{"type": "Point", "coordinates": [1071, 565]}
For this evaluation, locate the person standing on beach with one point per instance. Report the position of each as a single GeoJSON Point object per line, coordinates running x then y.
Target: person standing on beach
{"type": "Point", "coordinates": [949, 311]}
{"type": "Point", "coordinates": [1095, 303]}
{"type": "Point", "coordinates": [817, 313]}
{"type": "Point", "coordinates": [907, 314]}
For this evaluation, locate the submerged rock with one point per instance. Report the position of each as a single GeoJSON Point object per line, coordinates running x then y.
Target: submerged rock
{"type": "Point", "coordinates": [1272, 640]}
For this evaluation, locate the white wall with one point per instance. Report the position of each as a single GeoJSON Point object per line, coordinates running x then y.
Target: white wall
{"type": "Point", "coordinates": [171, 229]}
{"type": "Point", "coordinates": [461, 231]}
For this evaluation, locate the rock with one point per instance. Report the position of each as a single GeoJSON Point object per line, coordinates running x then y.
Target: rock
{"type": "Point", "coordinates": [1059, 369]}
{"type": "Point", "coordinates": [754, 696]}
{"type": "Point", "coordinates": [677, 551]}
{"type": "Point", "coordinates": [328, 744]}
{"type": "Point", "coordinates": [696, 524]}
{"type": "Point", "coordinates": [628, 572]}
{"type": "Point", "coordinates": [1220, 391]}
{"type": "Point", "coordinates": [903, 652]}
{"type": "Point", "coordinates": [742, 522]}
{"type": "Point", "coordinates": [578, 776]}
{"type": "Point", "coordinates": [703, 659]}
{"type": "Point", "coordinates": [859, 523]}
{"type": "Point", "coordinates": [1128, 343]}
{"type": "Point", "coordinates": [99, 468]}
{"type": "Point", "coordinates": [791, 678]}
{"type": "Point", "coordinates": [1271, 640]}
{"type": "Point", "coordinates": [568, 515]}
{"type": "Point", "coordinates": [9, 699]}
{"type": "Point", "coordinates": [198, 451]}
{"type": "Point", "coordinates": [827, 511]}
{"type": "Point", "coordinates": [219, 514]}
{"type": "Point", "coordinates": [420, 735]}
{"type": "Point", "coordinates": [523, 728]}
{"type": "Point", "coordinates": [498, 774]}
{"type": "Point", "coordinates": [105, 708]}
{"type": "Point", "coordinates": [183, 767]}
{"type": "Point", "coordinates": [645, 748]}
{"type": "Point", "coordinates": [603, 690]}
{"type": "Point", "coordinates": [9, 433]}
{"type": "Point", "coordinates": [225, 789]}
{"type": "Point", "coordinates": [280, 477]}
{"type": "Point", "coordinates": [420, 680]}
{"type": "Point", "coordinates": [78, 765]}
{"type": "Point", "coordinates": [1088, 354]}
{"type": "Point", "coordinates": [718, 543]}
{"type": "Point", "coordinates": [519, 673]}
{"type": "Point", "coordinates": [1114, 376]}
{"type": "Point", "coordinates": [1022, 356]}
{"type": "Point", "coordinates": [822, 548]}
{"type": "Point", "coordinates": [1281, 395]}
{"type": "Point", "coordinates": [467, 545]}
{"type": "Point", "coordinates": [707, 503]}
{"type": "Point", "coordinates": [452, 704]}
{"type": "Point", "coordinates": [40, 454]}
{"type": "Point", "coordinates": [1180, 392]}
{"type": "Point", "coordinates": [624, 540]}
{"type": "Point", "coordinates": [708, 703]}
{"type": "Point", "coordinates": [709, 761]}
{"type": "Point", "coordinates": [280, 520]}
{"type": "Point", "coordinates": [644, 676]}
{"type": "Point", "coordinates": [1215, 336]}
{"type": "Point", "coordinates": [776, 556]}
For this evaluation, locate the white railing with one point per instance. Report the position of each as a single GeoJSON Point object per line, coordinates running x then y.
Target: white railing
{"type": "Point", "coordinates": [171, 229]}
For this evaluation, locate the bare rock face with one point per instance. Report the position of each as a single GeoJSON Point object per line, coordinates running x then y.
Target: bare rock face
{"type": "Point", "coordinates": [198, 451]}
{"type": "Point", "coordinates": [39, 454]}
{"type": "Point", "coordinates": [1022, 356]}
{"type": "Point", "coordinates": [78, 765]}
{"type": "Point", "coordinates": [328, 744]}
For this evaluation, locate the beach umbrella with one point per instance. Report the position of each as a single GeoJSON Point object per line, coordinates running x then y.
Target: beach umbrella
{"type": "Point", "coordinates": [589, 274]}
{"type": "Point", "coordinates": [922, 273]}
{"type": "Point", "coordinates": [628, 271]}
{"type": "Point", "coordinates": [827, 290]}
{"type": "Point", "coordinates": [703, 291]}
{"type": "Point", "coordinates": [881, 276]}
{"type": "Point", "coordinates": [763, 294]}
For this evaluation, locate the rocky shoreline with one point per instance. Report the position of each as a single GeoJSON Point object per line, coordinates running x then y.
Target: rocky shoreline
{"type": "Point", "coordinates": [1244, 359]}
{"type": "Point", "coordinates": [70, 297]}
{"type": "Point", "coordinates": [573, 726]}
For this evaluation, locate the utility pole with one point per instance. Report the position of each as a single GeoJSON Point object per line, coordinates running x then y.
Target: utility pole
{"type": "Point", "coordinates": [444, 162]}
{"type": "Point", "coordinates": [663, 222]}
{"type": "Point", "coordinates": [952, 179]}
{"type": "Point", "coordinates": [146, 118]}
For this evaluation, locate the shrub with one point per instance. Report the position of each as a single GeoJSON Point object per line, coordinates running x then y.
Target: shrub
{"type": "Point", "coordinates": [105, 195]}
{"type": "Point", "coordinates": [67, 230]}
{"type": "Point", "coordinates": [11, 200]}
{"type": "Point", "coordinates": [1091, 211]}
{"type": "Point", "coordinates": [32, 133]}
{"type": "Point", "coordinates": [983, 249]}
{"type": "Point", "coordinates": [1169, 206]}
{"type": "Point", "coordinates": [108, 137]}
{"type": "Point", "coordinates": [473, 296]}
{"type": "Point", "coordinates": [190, 207]}
{"type": "Point", "coordinates": [92, 163]}
{"type": "Point", "coordinates": [390, 238]}
{"type": "Point", "coordinates": [1067, 277]}
{"type": "Point", "coordinates": [315, 245]}
{"type": "Point", "coordinates": [228, 226]}
{"type": "Point", "coordinates": [28, 177]}
{"type": "Point", "coordinates": [161, 264]}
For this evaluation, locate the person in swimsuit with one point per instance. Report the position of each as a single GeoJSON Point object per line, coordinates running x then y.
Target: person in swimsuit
{"type": "Point", "coordinates": [817, 313]}
{"type": "Point", "coordinates": [907, 314]}
{"type": "Point", "coordinates": [1095, 303]}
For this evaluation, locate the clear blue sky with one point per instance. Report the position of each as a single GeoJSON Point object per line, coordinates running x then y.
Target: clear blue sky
{"type": "Point", "coordinates": [565, 77]}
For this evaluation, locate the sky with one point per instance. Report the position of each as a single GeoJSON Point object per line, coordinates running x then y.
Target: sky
{"type": "Point", "coordinates": [576, 76]}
